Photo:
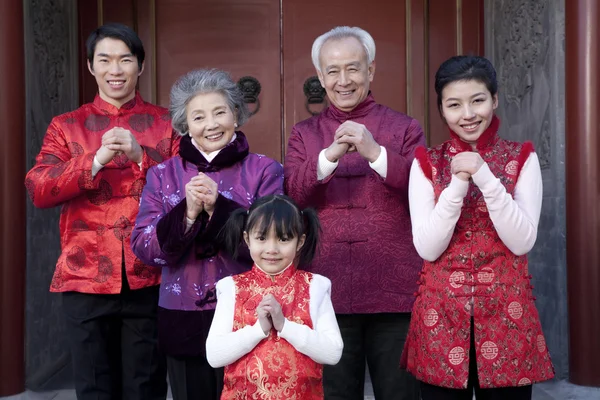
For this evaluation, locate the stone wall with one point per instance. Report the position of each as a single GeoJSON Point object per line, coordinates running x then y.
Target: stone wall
{"type": "Point", "coordinates": [51, 82]}
{"type": "Point", "coordinates": [525, 39]}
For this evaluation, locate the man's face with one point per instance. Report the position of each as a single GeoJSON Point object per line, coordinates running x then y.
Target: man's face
{"type": "Point", "coordinates": [345, 73]}
{"type": "Point", "coordinates": [116, 71]}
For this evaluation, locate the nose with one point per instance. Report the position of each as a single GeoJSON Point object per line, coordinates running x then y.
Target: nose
{"type": "Point", "coordinates": [115, 68]}
{"type": "Point", "coordinates": [211, 123]}
{"type": "Point", "coordinates": [271, 247]}
{"type": "Point", "coordinates": [343, 78]}
{"type": "Point", "coordinates": [468, 112]}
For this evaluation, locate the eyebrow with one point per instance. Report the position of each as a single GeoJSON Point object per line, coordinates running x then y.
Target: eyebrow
{"type": "Point", "coordinates": [455, 99]}
{"type": "Point", "coordinates": [120, 56]}
{"type": "Point", "coordinates": [197, 111]}
{"type": "Point", "coordinates": [351, 64]}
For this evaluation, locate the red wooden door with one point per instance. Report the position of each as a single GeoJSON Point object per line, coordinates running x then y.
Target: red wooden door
{"type": "Point", "coordinates": [271, 40]}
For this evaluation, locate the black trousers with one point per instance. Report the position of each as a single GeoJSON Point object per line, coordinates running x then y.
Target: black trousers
{"type": "Point", "coordinates": [378, 340]}
{"type": "Point", "coordinates": [430, 392]}
{"type": "Point", "coordinates": [113, 340]}
{"type": "Point", "coordinates": [192, 378]}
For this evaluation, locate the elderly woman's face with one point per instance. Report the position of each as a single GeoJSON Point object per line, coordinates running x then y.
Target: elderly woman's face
{"type": "Point", "coordinates": [211, 121]}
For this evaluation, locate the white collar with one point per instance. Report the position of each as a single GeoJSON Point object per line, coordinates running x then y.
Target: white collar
{"type": "Point", "coordinates": [210, 156]}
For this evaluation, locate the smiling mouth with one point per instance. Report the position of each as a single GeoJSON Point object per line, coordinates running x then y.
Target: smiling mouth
{"type": "Point", "coordinates": [272, 260]}
{"type": "Point", "coordinates": [116, 83]}
{"type": "Point", "coordinates": [471, 127]}
{"type": "Point", "coordinates": [215, 136]}
{"type": "Point", "coordinates": [345, 93]}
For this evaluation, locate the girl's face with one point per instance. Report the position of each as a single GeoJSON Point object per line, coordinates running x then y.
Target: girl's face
{"type": "Point", "coordinates": [468, 107]}
{"type": "Point", "coordinates": [270, 252]}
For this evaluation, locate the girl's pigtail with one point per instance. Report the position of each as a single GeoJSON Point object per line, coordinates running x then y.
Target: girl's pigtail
{"type": "Point", "coordinates": [312, 230]}
{"type": "Point", "coordinates": [232, 232]}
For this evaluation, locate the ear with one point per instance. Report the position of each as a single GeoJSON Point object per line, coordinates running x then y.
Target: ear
{"type": "Point", "coordinates": [235, 116]}
{"type": "Point", "coordinates": [90, 68]}
{"type": "Point", "coordinates": [495, 101]}
{"type": "Point", "coordinates": [320, 76]}
{"type": "Point", "coordinates": [142, 69]}
{"type": "Point", "coordinates": [246, 239]}
{"type": "Point", "coordinates": [371, 71]}
{"type": "Point", "coordinates": [301, 240]}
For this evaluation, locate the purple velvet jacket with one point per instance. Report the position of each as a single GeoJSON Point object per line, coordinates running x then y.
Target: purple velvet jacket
{"type": "Point", "coordinates": [366, 249]}
{"type": "Point", "coordinates": [193, 262]}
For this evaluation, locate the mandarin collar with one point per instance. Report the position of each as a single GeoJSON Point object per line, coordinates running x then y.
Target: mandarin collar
{"type": "Point", "coordinates": [233, 152]}
{"type": "Point", "coordinates": [111, 109]}
{"type": "Point", "coordinates": [265, 278]}
{"type": "Point", "coordinates": [487, 139]}
{"type": "Point", "coordinates": [359, 111]}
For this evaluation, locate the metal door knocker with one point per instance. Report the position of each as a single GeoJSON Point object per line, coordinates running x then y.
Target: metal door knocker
{"type": "Point", "coordinates": [250, 87]}
{"type": "Point", "coordinates": [315, 94]}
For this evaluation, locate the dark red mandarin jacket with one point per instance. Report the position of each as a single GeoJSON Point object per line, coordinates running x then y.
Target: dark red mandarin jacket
{"type": "Point", "coordinates": [98, 212]}
{"type": "Point", "coordinates": [366, 249]}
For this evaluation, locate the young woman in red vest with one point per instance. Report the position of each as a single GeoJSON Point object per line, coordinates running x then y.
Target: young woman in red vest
{"type": "Point", "coordinates": [475, 204]}
{"type": "Point", "coordinates": [274, 326]}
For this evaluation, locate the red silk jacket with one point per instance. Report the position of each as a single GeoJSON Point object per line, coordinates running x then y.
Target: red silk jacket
{"type": "Point", "coordinates": [98, 213]}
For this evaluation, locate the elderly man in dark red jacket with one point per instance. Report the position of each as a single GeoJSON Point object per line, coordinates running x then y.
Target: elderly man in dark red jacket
{"type": "Point", "coordinates": [351, 162]}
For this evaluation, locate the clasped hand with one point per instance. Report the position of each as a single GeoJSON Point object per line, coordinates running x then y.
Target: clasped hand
{"type": "Point", "coordinates": [118, 140]}
{"type": "Point", "coordinates": [269, 314]}
{"type": "Point", "coordinates": [466, 164]}
{"type": "Point", "coordinates": [201, 194]}
{"type": "Point", "coordinates": [352, 136]}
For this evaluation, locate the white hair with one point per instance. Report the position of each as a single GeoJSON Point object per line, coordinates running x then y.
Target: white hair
{"type": "Point", "coordinates": [201, 81]}
{"type": "Point", "coordinates": [342, 32]}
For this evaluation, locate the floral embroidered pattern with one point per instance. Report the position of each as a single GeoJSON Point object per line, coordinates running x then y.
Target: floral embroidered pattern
{"type": "Point", "coordinates": [274, 370]}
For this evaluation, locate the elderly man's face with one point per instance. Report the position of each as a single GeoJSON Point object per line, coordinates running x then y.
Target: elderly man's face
{"type": "Point", "coordinates": [345, 73]}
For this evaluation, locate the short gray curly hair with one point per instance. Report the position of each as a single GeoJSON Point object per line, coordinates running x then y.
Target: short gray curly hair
{"type": "Point", "coordinates": [200, 81]}
{"type": "Point", "coordinates": [342, 32]}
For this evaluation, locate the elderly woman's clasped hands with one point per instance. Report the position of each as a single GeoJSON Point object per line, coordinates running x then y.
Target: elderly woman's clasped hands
{"type": "Point", "coordinates": [201, 193]}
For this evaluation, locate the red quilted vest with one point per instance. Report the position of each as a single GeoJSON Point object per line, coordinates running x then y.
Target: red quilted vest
{"type": "Point", "coordinates": [509, 344]}
{"type": "Point", "coordinates": [274, 369]}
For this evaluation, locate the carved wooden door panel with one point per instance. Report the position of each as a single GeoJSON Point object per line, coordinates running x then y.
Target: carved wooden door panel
{"type": "Point", "coordinates": [270, 40]}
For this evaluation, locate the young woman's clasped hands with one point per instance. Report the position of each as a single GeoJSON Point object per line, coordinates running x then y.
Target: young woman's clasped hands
{"type": "Point", "coordinates": [466, 164]}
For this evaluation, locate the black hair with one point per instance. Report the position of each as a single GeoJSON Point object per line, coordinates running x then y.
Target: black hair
{"type": "Point", "coordinates": [119, 32]}
{"type": "Point", "coordinates": [277, 211]}
{"type": "Point", "coordinates": [465, 68]}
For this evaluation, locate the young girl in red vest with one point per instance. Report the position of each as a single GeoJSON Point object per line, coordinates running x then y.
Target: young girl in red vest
{"type": "Point", "coordinates": [475, 204]}
{"type": "Point", "coordinates": [274, 326]}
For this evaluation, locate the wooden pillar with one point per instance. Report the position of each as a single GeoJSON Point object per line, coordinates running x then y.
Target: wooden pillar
{"type": "Point", "coordinates": [583, 188]}
{"type": "Point", "coordinates": [12, 198]}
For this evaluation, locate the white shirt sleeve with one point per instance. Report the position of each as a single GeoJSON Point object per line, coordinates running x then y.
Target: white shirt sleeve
{"type": "Point", "coordinates": [324, 166]}
{"type": "Point", "coordinates": [223, 346]}
{"type": "Point", "coordinates": [516, 220]}
{"type": "Point", "coordinates": [96, 166]}
{"type": "Point", "coordinates": [324, 342]}
{"type": "Point", "coordinates": [188, 224]}
{"type": "Point", "coordinates": [380, 165]}
{"type": "Point", "coordinates": [433, 224]}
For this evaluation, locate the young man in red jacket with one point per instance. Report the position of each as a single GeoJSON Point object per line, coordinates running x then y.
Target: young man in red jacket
{"type": "Point", "coordinates": [93, 163]}
{"type": "Point", "coordinates": [351, 162]}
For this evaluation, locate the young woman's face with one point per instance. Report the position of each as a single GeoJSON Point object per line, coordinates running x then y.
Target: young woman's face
{"type": "Point", "coordinates": [270, 252]}
{"type": "Point", "coordinates": [468, 107]}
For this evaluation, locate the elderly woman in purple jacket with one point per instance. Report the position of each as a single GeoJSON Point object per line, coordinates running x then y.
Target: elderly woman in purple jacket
{"type": "Point", "coordinates": [184, 204]}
